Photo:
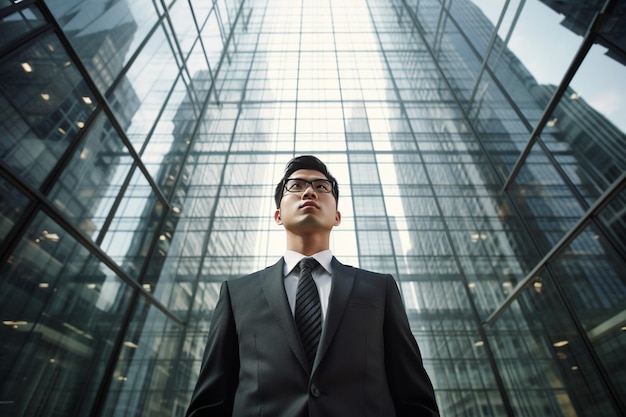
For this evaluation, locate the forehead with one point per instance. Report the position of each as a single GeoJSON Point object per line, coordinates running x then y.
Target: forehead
{"type": "Point", "coordinates": [307, 174]}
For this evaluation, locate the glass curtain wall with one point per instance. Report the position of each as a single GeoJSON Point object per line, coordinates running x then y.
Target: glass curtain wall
{"type": "Point", "coordinates": [479, 146]}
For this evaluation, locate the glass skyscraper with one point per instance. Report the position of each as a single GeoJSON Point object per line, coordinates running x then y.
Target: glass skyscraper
{"type": "Point", "coordinates": [479, 145]}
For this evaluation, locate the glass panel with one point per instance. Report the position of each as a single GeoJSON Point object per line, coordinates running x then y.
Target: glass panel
{"type": "Point", "coordinates": [543, 360]}
{"type": "Point", "coordinates": [201, 77]}
{"type": "Point", "coordinates": [201, 9]}
{"type": "Point", "coordinates": [497, 122]}
{"type": "Point", "coordinates": [213, 40]}
{"type": "Point", "coordinates": [18, 24]}
{"type": "Point", "coordinates": [152, 367]}
{"type": "Point", "coordinates": [548, 206]}
{"type": "Point", "coordinates": [12, 205]}
{"type": "Point", "coordinates": [587, 131]}
{"type": "Point", "coordinates": [594, 280]}
{"type": "Point", "coordinates": [105, 34]}
{"type": "Point", "coordinates": [44, 105]}
{"type": "Point", "coordinates": [483, 15]}
{"type": "Point", "coordinates": [183, 25]}
{"type": "Point", "coordinates": [613, 218]}
{"type": "Point", "coordinates": [527, 52]}
{"type": "Point", "coordinates": [167, 147]}
{"type": "Point", "coordinates": [456, 58]}
{"type": "Point", "coordinates": [133, 229]}
{"type": "Point", "coordinates": [146, 85]}
{"type": "Point", "coordinates": [61, 311]}
{"type": "Point", "coordinates": [89, 185]}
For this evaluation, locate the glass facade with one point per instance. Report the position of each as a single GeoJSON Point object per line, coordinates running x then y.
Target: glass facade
{"type": "Point", "coordinates": [480, 148]}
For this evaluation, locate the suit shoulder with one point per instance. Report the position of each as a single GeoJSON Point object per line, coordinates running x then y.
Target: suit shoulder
{"type": "Point", "coordinates": [243, 279]}
{"type": "Point", "coordinates": [360, 273]}
{"type": "Point", "coordinates": [253, 279]}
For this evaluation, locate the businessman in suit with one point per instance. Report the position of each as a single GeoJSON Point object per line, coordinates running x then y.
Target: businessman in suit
{"type": "Point", "coordinates": [314, 338]}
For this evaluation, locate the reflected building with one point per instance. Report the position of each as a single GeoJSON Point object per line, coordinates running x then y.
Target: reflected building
{"type": "Point", "coordinates": [142, 142]}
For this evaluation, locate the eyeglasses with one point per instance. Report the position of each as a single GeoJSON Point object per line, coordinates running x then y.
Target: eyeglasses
{"type": "Point", "coordinates": [297, 185]}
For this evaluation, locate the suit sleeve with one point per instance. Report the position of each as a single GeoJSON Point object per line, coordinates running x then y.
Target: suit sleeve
{"type": "Point", "coordinates": [219, 374]}
{"type": "Point", "coordinates": [410, 386]}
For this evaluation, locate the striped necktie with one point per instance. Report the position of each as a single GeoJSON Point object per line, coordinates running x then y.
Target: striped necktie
{"type": "Point", "coordinates": [308, 314]}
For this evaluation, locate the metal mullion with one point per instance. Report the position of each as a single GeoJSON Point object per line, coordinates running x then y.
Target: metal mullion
{"type": "Point", "coordinates": [504, 396]}
{"type": "Point", "coordinates": [372, 152]}
{"type": "Point", "coordinates": [133, 58]}
{"type": "Point", "coordinates": [227, 153]}
{"type": "Point", "coordinates": [10, 241]}
{"type": "Point", "coordinates": [488, 51]}
{"type": "Point", "coordinates": [588, 218]}
{"type": "Point", "coordinates": [545, 263]}
{"type": "Point", "coordinates": [206, 59]}
{"type": "Point", "coordinates": [106, 381]}
{"type": "Point", "coordinates": [592, 212]}
{"type": "Point", "coordinates": [199, 121]}
{"type": "Point", "coordinates": [584, 48]}
{"type": "Point", "coordinates": [296, 100]}
{"type": "Point", "coordinates": [176, 44]}
{"type": "Point", "coordinates": [185, 157]}
{"type": "Point", "coordinates": [28, 38]}
{"type": "Point", "coordinates": [218, 67]}
{"type": "Point", "coordinates": [15, 7]}
{"type": "Point", "coordinates": [41, 202]}
{"type": "Point", "coordinates": [103, 103]}
{"type": "Point", "coordinates": [137, 164]}
{"type": "Point", "coordinates": [441, 73]}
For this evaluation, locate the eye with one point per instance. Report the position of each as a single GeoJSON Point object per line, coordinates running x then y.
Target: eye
{"type": "Point", "coordinates": [322, 186]}
{"type": "Point", "coordinates": [295, 185]}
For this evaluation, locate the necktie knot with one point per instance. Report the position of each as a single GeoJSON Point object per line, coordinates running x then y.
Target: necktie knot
{"type": "Point", "coordinates": [307, 265]}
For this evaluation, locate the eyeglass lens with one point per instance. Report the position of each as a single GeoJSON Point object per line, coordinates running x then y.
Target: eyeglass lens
{"type": "Point", "coordinates": [298, 185]}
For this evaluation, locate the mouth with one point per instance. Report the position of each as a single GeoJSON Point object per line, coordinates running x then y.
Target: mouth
{"type": "Point", "coordinates": [309, 204]}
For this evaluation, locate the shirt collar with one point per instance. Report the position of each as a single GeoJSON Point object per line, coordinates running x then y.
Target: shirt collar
{"type": "Point", "coordinates": [293, 258]}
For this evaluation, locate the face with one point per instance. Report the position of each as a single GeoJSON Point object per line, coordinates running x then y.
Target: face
{"type": "Point", "coordinates": [308, 210]}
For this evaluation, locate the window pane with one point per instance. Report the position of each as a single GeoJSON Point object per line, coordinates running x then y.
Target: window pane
{"type": "Point", "coordinates": [105, 34]}
{"type": "Point", "coordinates": [18, 24]}
{"type": "Point", "coordinates": [91, 182]}
{"type": "Point", "coordinates": [61, 310]}
{"type": "Point", "coordinates": [44, 105]}
{"type": "Point", "coordinates": [139, 98]}
{"type": "Point", "coordinates": [150, 366]}
{"type": "Point", "coordinates": [544, 363]}
{"type": "Point", "coordinates": [132, 230]}
{"type": "Point", "coordinates": [586, 133]}
{"type": "Point", "coordinates": [12, 204]}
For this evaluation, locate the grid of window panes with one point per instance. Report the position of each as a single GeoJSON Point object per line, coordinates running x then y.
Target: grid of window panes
{"type": "Point", "coordinates": [478, 163]}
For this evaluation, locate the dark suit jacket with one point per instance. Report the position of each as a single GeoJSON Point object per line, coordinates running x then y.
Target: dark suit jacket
{"type": "Point", "coordinates": [367, 364]}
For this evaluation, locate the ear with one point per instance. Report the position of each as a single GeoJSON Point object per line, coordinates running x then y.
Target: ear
{"type": "Point", "coordinates": [277, 218]}
{"type": "Point", "coordinates": [337, 218]}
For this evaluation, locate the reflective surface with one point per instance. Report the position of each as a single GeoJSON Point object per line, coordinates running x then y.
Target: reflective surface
{"type": "Point", "coordinates": [88, 187]}
{"type": "Point", "coordinates": [61, 310]}
{"type": "Point", "coordinates": [479, 148]}
{"type": "Point", "coordinates": [45, 104]}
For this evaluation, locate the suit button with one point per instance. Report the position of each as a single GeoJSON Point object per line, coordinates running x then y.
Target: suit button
{"type": "Point", "coordinates": [315, 391]}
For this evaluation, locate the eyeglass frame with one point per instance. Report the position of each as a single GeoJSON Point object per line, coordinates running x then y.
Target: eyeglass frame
{"type": "Point", "coordinates": [306, 183]}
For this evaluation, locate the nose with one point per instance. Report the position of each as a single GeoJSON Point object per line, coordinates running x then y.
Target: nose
{"type": "Point", "coordinates": [309, 190]}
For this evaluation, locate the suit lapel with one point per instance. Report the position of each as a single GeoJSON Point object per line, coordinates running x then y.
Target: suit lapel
{"type": "Point", "coordinates": [342, 283]}
{"type": "Point", "coordinates": [274, 290]}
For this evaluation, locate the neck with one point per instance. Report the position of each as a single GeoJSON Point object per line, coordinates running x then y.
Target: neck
{"type": "Point", "coordinates": [308, 244]}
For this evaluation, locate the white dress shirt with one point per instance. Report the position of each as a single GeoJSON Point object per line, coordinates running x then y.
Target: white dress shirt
{"type": "Point", "coordinates": [321, 276]}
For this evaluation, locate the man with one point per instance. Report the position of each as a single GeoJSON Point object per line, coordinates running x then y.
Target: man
{"type": "Point", "coordinates": [285, 342]}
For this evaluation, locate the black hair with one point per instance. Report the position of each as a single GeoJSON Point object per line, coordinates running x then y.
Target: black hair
{"type": "Point", "coordinates": [304, 162]}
